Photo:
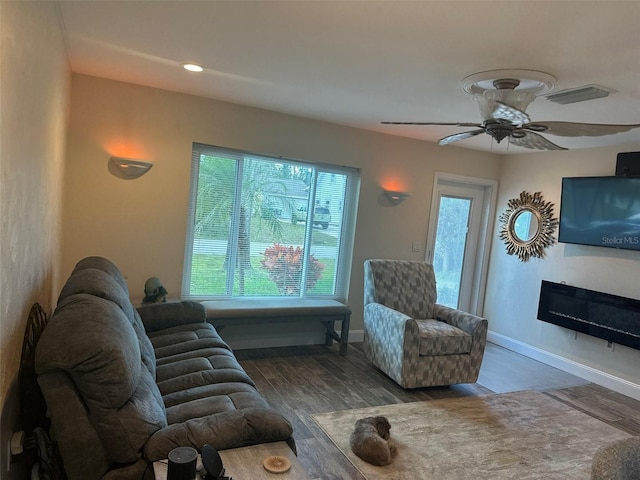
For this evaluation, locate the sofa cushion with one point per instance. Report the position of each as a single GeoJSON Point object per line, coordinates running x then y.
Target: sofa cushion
{"type": "Point", "coordinates": [124, 431]}
{"type": "Point", "coordinates": [206, 390]}
{"type": "Point", "coordinates": [101, 263]}
{"type": "Point", "coordinates": [193, 355]}
{"type": "Point", "coordinates": [99, 284]}
{"type": "Point", "coordinates": [77, 440]}
{"type": "Point", "coordinates": [440, 338]}
{"type": "Point", "coordinates": [92, 339]}
{"type": "Point", "coordinates": [207, 394]}
{"type": "Point", "coordinates": [196, 372]}
{"type": "Point", "coordinates": [228, 429]}
{"type": "Point", "coordinates": [184, 338]}
{"type": "Point", "coordinates": [237, 396]}
{"type": "Point", "coordinates": [107, 285]}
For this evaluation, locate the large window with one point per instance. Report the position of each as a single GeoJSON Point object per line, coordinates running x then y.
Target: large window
{"type": "Point", "coordinates": [268, 227]}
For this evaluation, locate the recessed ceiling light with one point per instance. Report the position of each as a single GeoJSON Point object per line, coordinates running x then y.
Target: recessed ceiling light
{"type": "Point", "coordinates": [192, 67]}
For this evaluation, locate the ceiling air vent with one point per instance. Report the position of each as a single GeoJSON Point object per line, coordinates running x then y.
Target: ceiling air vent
{"type": "Point", "coordinates": [579, 94]}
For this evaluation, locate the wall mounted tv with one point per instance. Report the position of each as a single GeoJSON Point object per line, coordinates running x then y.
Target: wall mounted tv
{"type": "Point", "coordinates": [601, 211]}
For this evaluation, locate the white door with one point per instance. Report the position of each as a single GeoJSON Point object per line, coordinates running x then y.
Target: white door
{"type": "Point", "coordinates": [458, 240]}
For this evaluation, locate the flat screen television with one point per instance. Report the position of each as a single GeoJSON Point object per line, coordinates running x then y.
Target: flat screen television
{"type": "Point", "coordinates": [601, 211]}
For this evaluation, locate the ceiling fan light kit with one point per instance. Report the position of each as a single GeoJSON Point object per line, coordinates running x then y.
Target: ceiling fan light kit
{"type": "Point", "coordinates": [503, 97]}
{"type": "Point", "coordinates": [528, 80]}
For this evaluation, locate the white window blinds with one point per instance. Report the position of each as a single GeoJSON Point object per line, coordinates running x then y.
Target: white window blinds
{"type": "Point", "coordinates": [268, 227]}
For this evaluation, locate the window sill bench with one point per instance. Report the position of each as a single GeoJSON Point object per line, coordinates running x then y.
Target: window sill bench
{"type": "Point", "coordinates": [221, 313]}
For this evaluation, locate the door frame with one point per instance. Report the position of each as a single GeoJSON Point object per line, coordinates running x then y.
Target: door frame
{"type": "Point", "coordinates": [481, 270]}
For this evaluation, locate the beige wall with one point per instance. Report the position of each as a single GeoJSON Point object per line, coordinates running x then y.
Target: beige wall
{"type": "Point", "coordinates": [513, 287]}
{"type": "Point", "coordinates": [140, 224]}
{"type": "Point", "coordinates": [33, 103]}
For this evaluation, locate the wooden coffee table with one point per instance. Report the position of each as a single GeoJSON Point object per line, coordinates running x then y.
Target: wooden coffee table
{"type": "Point", "coordinates": [246, 463]}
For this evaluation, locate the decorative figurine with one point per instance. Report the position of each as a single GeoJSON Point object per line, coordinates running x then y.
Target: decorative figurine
{"type": "Point", "coordinates": [154, 292]}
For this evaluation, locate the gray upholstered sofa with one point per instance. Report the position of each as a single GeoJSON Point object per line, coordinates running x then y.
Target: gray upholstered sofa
{"type": "Point", "coordinates": [124, 387]}
{"type": "Point", "coordinates": [411, 338]}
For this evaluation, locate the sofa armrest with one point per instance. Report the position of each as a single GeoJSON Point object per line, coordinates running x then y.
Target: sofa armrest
{"type": "Point", "coordinates": [75, 435]}
{"type": "Point", "coordinates": [158, 316]}
{"type": "Point", "coordinates": [222, 430]}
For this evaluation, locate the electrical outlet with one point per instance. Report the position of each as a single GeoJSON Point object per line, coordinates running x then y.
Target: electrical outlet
{"type": "Point", "coordinates": [611, 346]}
{"type": "Point", "coordinates": [415, 247]}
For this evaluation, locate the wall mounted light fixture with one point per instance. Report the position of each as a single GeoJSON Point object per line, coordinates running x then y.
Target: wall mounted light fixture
{"type": "Point", "coordinates": [396, 197]}
{"type": "Point", "coordinates": [131, 168]}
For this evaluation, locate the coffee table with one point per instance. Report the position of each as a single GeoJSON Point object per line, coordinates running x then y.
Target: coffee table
{"type": "Point", "coordinates": [246, 463]}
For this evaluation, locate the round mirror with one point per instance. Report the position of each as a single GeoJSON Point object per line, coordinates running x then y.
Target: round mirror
{"type": "Point", "coordinates": [527, 226]}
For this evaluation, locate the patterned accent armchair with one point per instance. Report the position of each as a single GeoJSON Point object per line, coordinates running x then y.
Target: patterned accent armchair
{"type": "Point", "coordinates": [411, 338]}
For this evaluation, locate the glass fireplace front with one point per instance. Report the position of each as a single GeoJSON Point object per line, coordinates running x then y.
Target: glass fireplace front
{"type": "Point", "coordinates": [611, 317]}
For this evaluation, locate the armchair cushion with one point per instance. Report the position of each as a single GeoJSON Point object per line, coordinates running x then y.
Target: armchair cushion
{"type": "Point", "coordinates": [440, 338]}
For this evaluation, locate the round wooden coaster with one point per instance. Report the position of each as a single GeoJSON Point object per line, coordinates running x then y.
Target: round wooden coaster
{"type": "Point", "coordinates": [276, 464]}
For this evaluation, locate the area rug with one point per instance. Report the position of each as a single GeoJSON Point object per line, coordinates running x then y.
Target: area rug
{"type": "Point", "coordinates": [521, 435]}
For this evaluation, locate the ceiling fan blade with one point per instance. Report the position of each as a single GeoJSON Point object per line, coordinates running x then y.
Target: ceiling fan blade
{"type": "Point", "coordinates": [459, 136]}
{"type": "Point", "coordinates": [435, 123]}
{"type": "Point", "coordinates": [532, 140]}
{"type": "Point", "coordinates": [571, 129]}
{"type": "Point", "coordinates": [509, 113]}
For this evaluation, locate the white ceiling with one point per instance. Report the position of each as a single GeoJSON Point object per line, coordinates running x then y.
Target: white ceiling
{"type": "Point", "coordinates": [357, 63]}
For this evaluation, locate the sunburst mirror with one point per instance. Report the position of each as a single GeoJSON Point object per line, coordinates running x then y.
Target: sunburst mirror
{"type": "Point", "coordinates": [527, 226]}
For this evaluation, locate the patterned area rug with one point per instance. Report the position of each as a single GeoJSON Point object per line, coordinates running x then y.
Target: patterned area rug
{"type": "Point", "coordinates": [520, 435]}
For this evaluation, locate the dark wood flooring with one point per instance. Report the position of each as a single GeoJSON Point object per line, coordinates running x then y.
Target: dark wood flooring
{"type": "Point", "coordinates": [301, 381]}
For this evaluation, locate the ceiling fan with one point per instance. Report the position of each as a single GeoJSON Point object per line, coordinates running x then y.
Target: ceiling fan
{"type": "Point", "coordinates": [503, 99]}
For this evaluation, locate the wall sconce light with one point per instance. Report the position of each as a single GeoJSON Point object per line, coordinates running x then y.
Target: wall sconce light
{"type": "Point", "coordinates": [131, 168]}
{"type": "Point", "coordinates": [396, 197]}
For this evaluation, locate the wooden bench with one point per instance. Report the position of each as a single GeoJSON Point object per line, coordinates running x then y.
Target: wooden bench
{"type": "Point", "coordinates": [221, 313]}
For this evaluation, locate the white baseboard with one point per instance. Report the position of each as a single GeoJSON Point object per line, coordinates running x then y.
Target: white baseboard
{"type": "Point", "coordinates": [356, 336]}
{"type": "Point", "coordinates": [598, 377]}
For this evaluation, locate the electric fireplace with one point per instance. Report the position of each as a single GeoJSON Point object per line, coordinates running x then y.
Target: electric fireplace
{"type": "Point", "coordinates": [611, 317]}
